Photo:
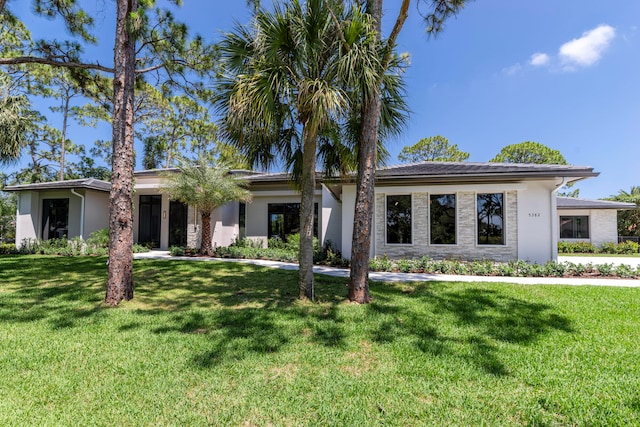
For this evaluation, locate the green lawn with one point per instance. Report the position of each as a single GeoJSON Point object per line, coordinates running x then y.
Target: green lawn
{"type": "Point", "coordinates": [211, 343]}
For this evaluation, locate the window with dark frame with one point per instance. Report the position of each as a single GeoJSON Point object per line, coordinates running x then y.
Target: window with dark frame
{"type": "Point", "coordinates": [442, 219]}
{"type": "Point", "coordinates": [399, 225]}
{"type": "Point", "coordinates": [574, 227]}
{"type": "Point", "coordinates": [284, 219]}
{"type": "Point", "coordinates": [490, 215]}
{"type": "Point", "coordinates": [242, 220]}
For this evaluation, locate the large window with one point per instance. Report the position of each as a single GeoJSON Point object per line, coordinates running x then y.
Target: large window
{"type": "Point", "coordinates": [490, 218]}
{"type": "Point", "coordinates": [284, 219]}
{"type": "Point", "coordinates": [442, 219]}
{"type": "Point", "coordinates": [55, 218]}
{"type": "Point", "coordinates": [574, 227]}
{"type": "Point", "coordinates": [399, 219]}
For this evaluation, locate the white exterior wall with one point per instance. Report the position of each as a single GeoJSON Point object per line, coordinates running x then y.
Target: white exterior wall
{"type": "Point", "coordinates": [537, 224]}
{"type": "Point", "coordinates": [603, 224]}
{"type": "Point", "coordinates": [96, 211]}
{"type": "Point", "coordinates": [348, 206]}
{"type": "Point", "coordinates": [331, 225]}
{"type": "Point", "coordinates": [26, 216]}
{"type": "Point", "coordinates": [224, 224]}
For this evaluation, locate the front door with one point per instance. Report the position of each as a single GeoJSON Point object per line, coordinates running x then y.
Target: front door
{"type": "Point", "coordinates": [177, 224]}
{"type": "Point", "coordinates": [149, 220]}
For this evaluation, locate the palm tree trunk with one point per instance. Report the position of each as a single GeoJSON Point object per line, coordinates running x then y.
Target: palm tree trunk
{"type": "Point", "coordinates": [307, 187]}
{"type": "Point", "coordinates": [205, 242]}
{"type": "Point", "coordinates": [120, 276]}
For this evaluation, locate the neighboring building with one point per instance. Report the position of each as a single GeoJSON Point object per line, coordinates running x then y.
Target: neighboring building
{"type": "Point", "coordinates": [498, 211]}
{"type": "Point", "coordinates": [593, 221]}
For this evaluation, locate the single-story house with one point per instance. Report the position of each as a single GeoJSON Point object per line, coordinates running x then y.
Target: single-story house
{"type": "Point", "coordinates": [593, 221]}
{"type": "Point", "coordinates": [499, 211]}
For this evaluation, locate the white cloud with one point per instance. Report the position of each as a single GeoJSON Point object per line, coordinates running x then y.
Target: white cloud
{"type": "Point", "coordinates": [512, 70]}
{"type": "Point", "coordinates": [588, 49]}
{"type": "Point", "coordinates": [539, 59]}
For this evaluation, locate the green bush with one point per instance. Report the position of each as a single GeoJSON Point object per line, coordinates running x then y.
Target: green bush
{"type": "Point", "coordinates": [8, 248]}
{"type": "Point", "coordinates": [99, 238]}
{"type": "Point", "coordinates": [608, 248]}
{"type": "Point", "coordinates": [627, 247]}
{"type": "Point", "coordinates": [576, 247]}
{"type": "Point", "coordinates": [554, 269]}
{"type": "Point", "coordinates": [625, 271]}
{"type": "Point", "coordinates": [606, 269]}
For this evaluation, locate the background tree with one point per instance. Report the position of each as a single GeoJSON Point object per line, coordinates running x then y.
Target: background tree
{"type": "Point", "coordinates": [206, 188]}
{"type": "Point", "coordinates": [529, 152]}
{"type": "Point", "coordinates": [163, 51]}
{"type": "Point", "coordinates": [432, 149]}
{"type": "Point", "coordinates": [8, 206]}
{"type": "Point", "coordinates": [436, 13]}
{"type": "Point", "coordinates": [628, 220]}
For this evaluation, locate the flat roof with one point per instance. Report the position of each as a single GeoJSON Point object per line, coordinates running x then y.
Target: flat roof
{"type": "Point", "coordinates": [86, 183]}
{"type": "Point", "coordinates": [575, 203]}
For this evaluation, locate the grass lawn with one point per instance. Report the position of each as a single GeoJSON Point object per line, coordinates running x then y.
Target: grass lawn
{"type": "Point", "coordinates": [213, 343]}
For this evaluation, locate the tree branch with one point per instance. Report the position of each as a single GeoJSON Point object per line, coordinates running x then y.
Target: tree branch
{"type": "Point", "coordinates": [397, 27]}
{"type": "Point", "coordinates": [54, 63]}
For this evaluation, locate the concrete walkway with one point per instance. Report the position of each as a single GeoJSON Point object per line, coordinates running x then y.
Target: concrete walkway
{"type": "Point", "coordinates": [424, 277]}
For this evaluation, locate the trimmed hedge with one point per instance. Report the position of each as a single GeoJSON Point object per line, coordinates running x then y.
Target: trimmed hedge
{"type": "Point", "coordinates": [627, 247]}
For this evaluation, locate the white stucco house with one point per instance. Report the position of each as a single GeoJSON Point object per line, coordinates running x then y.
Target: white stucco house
{"type": "Point", "coordinates": [499, 211]}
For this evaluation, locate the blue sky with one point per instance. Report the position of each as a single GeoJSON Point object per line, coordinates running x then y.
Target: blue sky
{"type": "Point", "coordinates": [563, 73]}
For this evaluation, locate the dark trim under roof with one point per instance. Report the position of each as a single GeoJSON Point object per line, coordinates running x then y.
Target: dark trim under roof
{"type": "Point", "coordinates": [479, 172]}
{"type": "Point", "coordinates": [85, 183]}
{"type": "Point", "coordinates": [456, 172]}
{"type": "Point", "coordinates": [573, 203]}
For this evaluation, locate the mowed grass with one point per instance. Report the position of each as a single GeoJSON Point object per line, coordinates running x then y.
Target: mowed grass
{"type": "Point", "coordinates": [213, 343]}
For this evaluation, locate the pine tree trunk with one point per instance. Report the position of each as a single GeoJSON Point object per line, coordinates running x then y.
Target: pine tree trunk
{"type": "Point", "coordinates": [307, 187]}
{"type": "Point", "coordinates": [205, 242]}
{"type": "Point", "coordinates": [363, 212]}
{"type": "Point", "coordinates": [365, 184]}
{"type": "Point", "coordinates": [120, 276]}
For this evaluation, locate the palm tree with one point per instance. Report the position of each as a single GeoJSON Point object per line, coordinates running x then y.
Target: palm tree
{"type": "Point", "coordinates": [15, 121]}
{"type": "Point", "coordinates": [628, 220]}
{"type": "Point", "coordinates": [288, 89]}
{"type": "Point", "coordinates": [205, 188]}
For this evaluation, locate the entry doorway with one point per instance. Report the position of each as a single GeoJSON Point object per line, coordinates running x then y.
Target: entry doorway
{"type": "Point", "coordinates": [149, 220]}
{"type": "Point", "coordinates": [178, 213]}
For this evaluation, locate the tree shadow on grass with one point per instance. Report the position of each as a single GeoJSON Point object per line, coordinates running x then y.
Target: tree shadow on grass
{"type": "Point", "coordinates": [483, 318]}
{"type": "Point", "coordinates": [238, 310]}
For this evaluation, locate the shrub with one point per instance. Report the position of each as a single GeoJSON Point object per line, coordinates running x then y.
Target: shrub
{"type": "Point", "coordinates": [627, 247]}
{"type": "Point", "coordinates": [554, 269]}
{"type": "Point", "coordinates": [608, 248]}
{"type": "Point", "coordinates": [176, 251]}
{"type": "Point", "coordinates": [99, 238]}
{"type": "Point", "coordinates": [625, 271]}
{"type": "Point", "coordinates": [575, 269]}
{"type": "Point", "coordinates": [605, 269]}
{"type": "Point", "coordinates": [380, 264]}
{"type": "Point", "coordinates": [138, 248]}
{"type": "Point", "coordinates": [576, 247]}
{"type": "Point", "coordinates": [8, 248]}
{"type": "Point", "coordinates": [404, 265]}
{"type": "Point", "coordinates": [481, 268]}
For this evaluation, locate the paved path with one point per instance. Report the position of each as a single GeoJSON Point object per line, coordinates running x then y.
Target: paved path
{"type": "Point", "coordinates": [424, 277]}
